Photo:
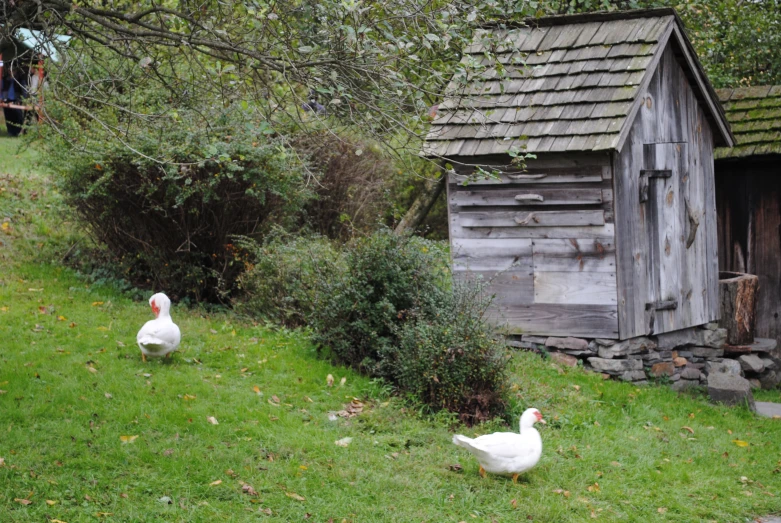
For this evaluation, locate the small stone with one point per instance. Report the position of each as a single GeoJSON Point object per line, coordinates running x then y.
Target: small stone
{"type": "Point", "coordinates": [666, 355]}
{"type": "Point", "coordinates": [665, 368]}
{"type": "Point", "coordinates": [755, 384]}
{"type": "Point", "coordinates": [685, 354]}
{"type": "Point", "coordinates": [726, 366]}
{"type": "Point", "coordinates": [679, 362]}
{"type": "Point", "coordinates": [633, 375]}
{"type": "Point", "coordinates": [683, 384]}
{"type": "Point", "coordinates": [567, 343]}
{"type": "Point", "coordinates": [522, 345]}
{"type": "Point", "coordinates": [540, 340]}
{"type": "Point", "coordinates": [707, 352]}
{"type": "Point", "coordinates": [625, 348]}
{"type": "Point", "coordinates": [651, 357]}
{"type": "Point", "coordinates": [675, 377]}
{"type": "Point", "coordinates": [614, 366]}
{"type": "Point", "coordinates": [690, 373]}
{"type": "Point", "coordinates": [671, 340]}
{"type": "Point", "coordinates": [730, 390]}
{"type": "Point", "coordinates": [751, 363]}
{"type": "Point", "coordinates": [711, 326]}
{"type": "Point", "coordinates": [770, 379]}
{"type": "Point", "coordinates": [714, 338]}
{"type": "Point", "coordinates": [564, 359]}
{"type": "Point", "coordinates": [604, 342]}
{"type": "Point", "coordinates": [770, 363]}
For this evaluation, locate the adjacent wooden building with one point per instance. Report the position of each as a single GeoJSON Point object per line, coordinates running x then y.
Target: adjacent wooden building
{"type": "Point", "coordinates": [611, 231]}
{"type": "Point", "coordinates": [748, 197]}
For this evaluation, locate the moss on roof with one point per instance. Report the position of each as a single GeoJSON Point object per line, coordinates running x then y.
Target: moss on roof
{"type": "Point", "coordinates": [755, 116]}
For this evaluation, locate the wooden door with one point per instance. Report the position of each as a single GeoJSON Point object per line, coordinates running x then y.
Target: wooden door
{"type": "Point", "coordinates": [664, 198]}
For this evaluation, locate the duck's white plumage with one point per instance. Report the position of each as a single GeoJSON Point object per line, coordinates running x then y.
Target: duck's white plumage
{"type": "Point", "coordinates": [507, 453]}
{"type": "Point", "coordinates": [161, 336]}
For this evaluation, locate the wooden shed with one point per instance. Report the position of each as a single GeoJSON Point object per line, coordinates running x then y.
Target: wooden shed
{"type": "Point", "coordinates": [611, 231]}
{"type": "Point", "coordinates": [748, 197]}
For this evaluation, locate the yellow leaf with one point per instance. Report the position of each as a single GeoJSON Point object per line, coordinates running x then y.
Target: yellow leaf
{"type": "Point", "coordinates": [256, 389]}
{"type": "Point", "coordinates": [56, 521]}
{"type": "Point", "coordinates": [212, 420]}
{"type": "Point", "coordinates": [127, 439]}
{"type": "Point", "coordinates": [61, 318]}
{"type": "Point", "coordinates": [329, 380]}
{"type": "Point", "coordinates": [92, 369]}
{"type": "Point", "coordinates": [215, 483]}
{"type": "Point", "coordinates": [50, 502]}
{"type": "Point", "coordinates": [103, 514]}
{"type": "Point", "coordinates": [97, 303]}
{"type": "Point", "coordinates": [244, 369]}
{"type": "Point", "coordinates": [688, 428]}
{"type": "Point", "coordinates": [303, 467]}
{"type": "Point", "coordinates": [594, 488]}
{"type": "Point", "coordinates": [342, 381]}
{"type": "Point", "coordinates": [4, 309]}
{"type": "Point", "coordinates": [5, 226]}
{"type": "Point", "coordinates": [189, 397]}
{"type": "Point", "coordinates": [102, 328]}
{"type": "Point", "coordinates": [23, 501]}
{"type": "Point", "coordinates": [295, 496]}
{"type": "Point", "coordinates": [661, 510]}
{"type": "Point", "coordinates": [740, 443]}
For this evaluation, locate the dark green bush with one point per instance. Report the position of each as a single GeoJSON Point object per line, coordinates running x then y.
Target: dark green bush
{"type": "Point", "coordinates": [169, 223]}
{"type": "Point", "coordinates": [358, 312]}
{"type": "Point", "coordinates": [385, 305]}
{"type": "Point", "coordinates": [281, 284]}
{"type": "Point", "coordinates": [451, 359]}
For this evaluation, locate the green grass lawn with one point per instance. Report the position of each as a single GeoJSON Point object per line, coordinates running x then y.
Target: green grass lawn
{"type": "Point", "coordinates": [90, 433]}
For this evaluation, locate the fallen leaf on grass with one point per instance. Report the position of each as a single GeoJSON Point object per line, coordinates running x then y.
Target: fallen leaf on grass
{"type": "Point", "coordinates": [456, 467]}
{"type": "Point", "coordinates": [92, 369]}
{"type": "Point", "coordinates": [691, 430]}
{"type": "Point", "coordinates": [108, 396]}
{"type": "Point", "coordinates": [295, 496]}
{"type": "Point", "coordinates": [343, 442]}
{"type": "Point", "coordinates": [342, 381]}
{"type": "Point", "coordinates": [740, 442]}
{"type": "Point", "coordinates": [329, 380]}
{"type": "Point", "coordinates": [166, 500]}
{"type": "Point", "coordinates": [50, 502]}
{"type": "Point", "coordinates": [514, 503]}
{"type": "Point", "coordinates": [213, 331]}
{"type": "Point", "coordinates": [256, 389]}
{"type": "Point", "coordinates": [104, 514]}
{"type": "Point", "coordinates": [56, 521]}
{"type": "Point", "coordinates": [72, 324]}
{"type": "Point", "coordinates": [23, 501]}
{"type": "Point", "coordinates": [593, 488]}
{"type": "Point", "coordinates": [247, 489]}
{"type": "Point", "coordinates": [563, 492]}
{"type": "Point", "coordinates": [661, 510]}
{"type": "Point", "coordinates": [127, 439]}
{"type": "Point", "coordinates": [188, 397]}
{"type": "Point", "coordinates": [61, 318]}
{"type": "Point", "coordinates": [97, 303]}
{"type": "Point", "coordinates": [212, 420]}
{"type": "Point", "coordinates": [215, 483]}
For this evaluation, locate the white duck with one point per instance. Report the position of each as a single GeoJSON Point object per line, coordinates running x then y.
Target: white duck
{"type": "Point", "coordinates": [507, 453]}
{"type": "Point", "coordinates": [161, 336]}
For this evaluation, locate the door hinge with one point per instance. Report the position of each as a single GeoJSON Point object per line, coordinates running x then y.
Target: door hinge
{"type": "Point", "coordinates": [645, 174]}
{"type": "Point", "coordinates": [663, 305]}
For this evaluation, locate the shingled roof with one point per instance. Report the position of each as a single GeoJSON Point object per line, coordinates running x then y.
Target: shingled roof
{"type": "Point", "coordinates": [569, 83]}
{"type": "Point", "coordinates": [755, 116]}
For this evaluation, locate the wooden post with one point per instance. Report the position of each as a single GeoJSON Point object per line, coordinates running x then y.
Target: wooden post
{"type": "Point", "coordinates": [738, 298]}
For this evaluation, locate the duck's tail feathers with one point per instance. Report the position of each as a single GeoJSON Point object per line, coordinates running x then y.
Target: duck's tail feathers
{"type": "Point", "coordinates": [462, 441]}
{"type": "Point", "coordinates": [150, 340]}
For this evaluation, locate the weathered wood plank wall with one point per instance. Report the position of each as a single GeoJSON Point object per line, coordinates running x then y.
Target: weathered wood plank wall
{"type": "Point", "coordinates": [543, 242]}
{"type": "Point", "coordinates": [748, 196]}
{"type": "Point", "coordinates": [666, 245]}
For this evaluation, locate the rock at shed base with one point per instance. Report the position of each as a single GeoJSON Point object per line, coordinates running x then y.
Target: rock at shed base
{"type": "Point", "coordinates": [633, 375]}
{"type": "Point", "coordinates": [665, 368]}
{"type": "Point", "coordinates": [564, 359]}
{"type": "Point", "coordinates": [751, 363]}
{"type": "Point", "coordinates": [567, 343]}
{"type": "Point", "coordinates": [726, 366]}
{"type": "Point", "coordinates": [625, 348]}
{"type": "Point", "coordinates": [684, 384]}
{"type": "Point", "coordinates": [730, 390]}
{"type": "Point", "coordinates": [615, 366]}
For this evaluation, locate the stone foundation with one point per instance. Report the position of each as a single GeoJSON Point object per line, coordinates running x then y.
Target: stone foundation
{"type": "Point", "coordinates": [685, 358]}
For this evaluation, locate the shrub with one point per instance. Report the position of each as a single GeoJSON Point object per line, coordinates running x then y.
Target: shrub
{"type": "Point", "coordinates": [386, 305]}
{"type": "Point", "coordinates": [351, 186]}
{"type": "Point", "coordinates": [451, 359]}
{"type": "Point", "coordinates": [281, 284]}
{"type": "Point", "coordinates": [169, 224]}
{"type": "Point", "coordinates": [358, 312]}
